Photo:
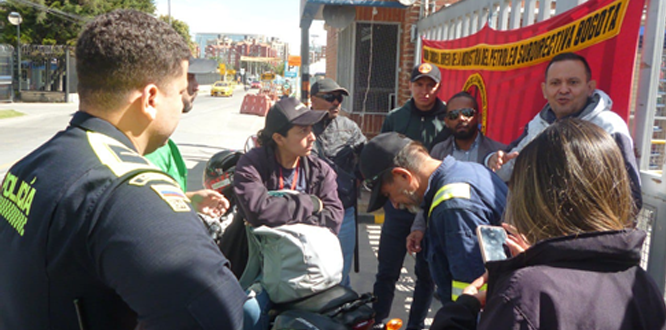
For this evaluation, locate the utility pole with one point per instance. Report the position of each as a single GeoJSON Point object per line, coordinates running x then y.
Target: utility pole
{"type": "Point", "coordinates": [169, 4]}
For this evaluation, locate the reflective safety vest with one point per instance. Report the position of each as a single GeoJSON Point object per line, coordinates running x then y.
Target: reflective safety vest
{"type": "Point", "coordinates": [449, 191]}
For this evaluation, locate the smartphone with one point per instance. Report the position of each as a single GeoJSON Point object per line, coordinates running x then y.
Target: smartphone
{"type": "Point", "coordinates": [492, 240]}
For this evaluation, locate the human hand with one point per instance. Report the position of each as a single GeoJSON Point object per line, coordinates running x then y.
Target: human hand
{"type": "Point", "coordinates": [208, 202]}
{"type": "Point", "coordinates": [414, 241]}
{"type": "Point", "coordinates": [516, 242]}
{"type": "Point", "coordinates": [498, 159]}
{"type": "Point", "coordinates": [474, 289]}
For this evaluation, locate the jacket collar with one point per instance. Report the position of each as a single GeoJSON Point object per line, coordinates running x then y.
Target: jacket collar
{"type": "Point", "coordinates": [599, 101]}
{"type": "Point", "coordinates": [269, 157]}
{"type": "Point", "coordinates": [439, 108]}
{"type": "Point", "coordinates": [89, 122]}
{"type": "Point", "coordinates": [438, 175]}
{"type": "Point", "coordinates": [608, 250]}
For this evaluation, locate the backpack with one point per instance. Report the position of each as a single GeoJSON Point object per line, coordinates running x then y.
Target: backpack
{"type": "Point", "coordinates": [292, 261]}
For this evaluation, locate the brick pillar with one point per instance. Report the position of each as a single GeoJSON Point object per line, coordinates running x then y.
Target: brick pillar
{"type": "Point", "coordinates": [407, 50]}
{"type": "Point", "coordinates": [331, 52]}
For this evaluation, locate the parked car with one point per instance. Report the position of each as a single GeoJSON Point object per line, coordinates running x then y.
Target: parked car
{"type": "Point", "coordinates": [222, 88]}
{"type": "Point", "coordinates": [255, 84]}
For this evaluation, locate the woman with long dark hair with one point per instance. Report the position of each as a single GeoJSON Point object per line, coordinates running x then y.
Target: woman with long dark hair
{"type": "Point", "coordinates": [576, 254]}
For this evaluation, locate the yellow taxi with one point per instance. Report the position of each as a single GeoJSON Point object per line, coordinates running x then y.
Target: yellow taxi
{"type": "Point", "coordinates": [222, 88]}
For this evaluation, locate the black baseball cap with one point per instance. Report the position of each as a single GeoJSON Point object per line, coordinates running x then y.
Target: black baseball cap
{"type": "Point", "coordinates": [327, 85]}
{"type": "Point", "coordinates": [290, 111]}
{"type": "Point", "coordinates": [201, 65]}
{"type": "Point", "coordinates": [377, 157]}
{"type": "Point", "coordinates": [426, 70]}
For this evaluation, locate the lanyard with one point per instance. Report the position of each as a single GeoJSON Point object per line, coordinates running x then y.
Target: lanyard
{"type": "Point", "coordinates": [295, 180]}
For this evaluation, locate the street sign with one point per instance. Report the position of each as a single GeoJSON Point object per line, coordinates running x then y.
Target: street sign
{"type": "Point", "coordinates": [294, 60]}
{"type": "Point", "coordinates": [290, 71]}
{"type": "Point", "coordinates": [267, 76]}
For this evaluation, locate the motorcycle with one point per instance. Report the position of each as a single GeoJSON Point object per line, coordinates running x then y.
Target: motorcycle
{"type": "Point", "coordinates": [335, 308]}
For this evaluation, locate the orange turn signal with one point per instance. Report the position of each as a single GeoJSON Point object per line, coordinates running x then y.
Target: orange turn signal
{"type": "Point", "coordinates": [394, 324]}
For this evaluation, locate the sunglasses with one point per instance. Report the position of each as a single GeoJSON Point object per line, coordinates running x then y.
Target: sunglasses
{"type": "Point", "coordinates": [453, 114]}
{"type": "Point", "coordinates": [331, 97]}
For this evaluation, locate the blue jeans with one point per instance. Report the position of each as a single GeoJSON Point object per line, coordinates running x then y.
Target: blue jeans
{"type": "Point", "coordinates": [391, 254]}
{"type": "Point", "coordinates": [255, 312]}
{"type": "Point", "coordinates": [347, 237]}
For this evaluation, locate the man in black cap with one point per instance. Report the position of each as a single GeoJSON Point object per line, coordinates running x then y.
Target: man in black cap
{"type": "Point", "coordinates": [169, 159]}
{"type": "Point", "coordinates": [284, 162]}
{"type": "Point", "coordinates": [455, 196]}
{"type": "Point", "coordinates": [339, 142]}
{"type": "Point", "coordinates": [421, 119]}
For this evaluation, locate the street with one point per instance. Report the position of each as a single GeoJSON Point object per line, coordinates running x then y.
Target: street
{"type": "Point", "coordinates": [214, 123]}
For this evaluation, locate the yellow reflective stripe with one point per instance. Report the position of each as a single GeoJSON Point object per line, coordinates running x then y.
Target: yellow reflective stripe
{"type": "Point", "coordinates": [451, 190]}
{"type": "Point", "coordinates": [116, 156]}
{"type": "Point", "coordinates": [457, 288]}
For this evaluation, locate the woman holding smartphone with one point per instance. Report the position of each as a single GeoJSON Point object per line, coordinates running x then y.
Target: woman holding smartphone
{"type": "Point", "coordinates": [576, 253]}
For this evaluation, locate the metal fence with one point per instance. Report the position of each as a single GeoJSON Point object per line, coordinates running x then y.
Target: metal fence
{"type": "Point", "coordinates": [6, 72]}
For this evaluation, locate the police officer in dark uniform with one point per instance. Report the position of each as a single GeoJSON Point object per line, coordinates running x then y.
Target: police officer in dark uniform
{"type": "Point", "coordinates": [92, 236]}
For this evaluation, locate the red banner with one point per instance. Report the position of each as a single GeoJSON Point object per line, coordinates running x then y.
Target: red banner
{"type": "Point", "coordinates": [505, 69]}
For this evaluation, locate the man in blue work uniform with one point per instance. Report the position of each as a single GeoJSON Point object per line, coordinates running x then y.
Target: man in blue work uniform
{"type": "Point", "coordinates": [455, 196]}
{"type": "Point", "coordinates": [92, 236]}
{"type": "Point", "coordinates": [421, 119]}
{"type": "Point", "coordinates": [466, 143]}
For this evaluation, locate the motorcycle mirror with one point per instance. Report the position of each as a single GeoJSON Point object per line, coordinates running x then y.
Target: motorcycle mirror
{"type": "Point", "coordinates": [251, 142]}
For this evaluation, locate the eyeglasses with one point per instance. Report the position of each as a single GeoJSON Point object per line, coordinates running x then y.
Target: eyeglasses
{"type": "Point", "coordinates": [331, 97]}
{"type": "Point", "coordinates": [453, 114]}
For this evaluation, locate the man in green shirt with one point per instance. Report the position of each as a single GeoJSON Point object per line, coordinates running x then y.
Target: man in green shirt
{"type": "Point", "coordinates": [169, 159]}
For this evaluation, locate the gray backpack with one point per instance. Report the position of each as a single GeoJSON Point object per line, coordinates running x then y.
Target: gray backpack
{"type": "Point", "coordinates": [292, 261]}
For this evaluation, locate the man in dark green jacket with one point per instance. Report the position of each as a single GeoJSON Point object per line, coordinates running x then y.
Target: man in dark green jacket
{"type": "Point", "coordinates": [421, 119]}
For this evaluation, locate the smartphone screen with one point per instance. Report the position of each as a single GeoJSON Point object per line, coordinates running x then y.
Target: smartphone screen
{"type": "Point", "coordinates": [491, 241]}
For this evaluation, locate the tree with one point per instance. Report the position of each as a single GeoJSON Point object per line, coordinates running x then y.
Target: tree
{"type": "Point", "coordinates": [182, 28]}
{"type": "Point", "coordinates": [51, 22]}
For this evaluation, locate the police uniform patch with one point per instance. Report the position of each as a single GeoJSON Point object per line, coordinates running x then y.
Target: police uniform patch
{"type": "Point", "coordinates": [116, 156]}
{"type": "Point", "coordinates": [173, 196]}
{"type": "Point", "coordinates": [144, 178]}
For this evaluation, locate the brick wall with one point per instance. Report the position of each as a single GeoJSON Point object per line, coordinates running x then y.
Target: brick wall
{"type": "Point", "coordinates": [370, 124]}
{"type": "Point", "coordinates": [407, 49]}
{"type": "Point", "coordinates": [331, 52]}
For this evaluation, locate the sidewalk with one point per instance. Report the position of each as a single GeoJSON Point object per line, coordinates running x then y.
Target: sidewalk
{"type": "Point", "coordinates": [376, 217]}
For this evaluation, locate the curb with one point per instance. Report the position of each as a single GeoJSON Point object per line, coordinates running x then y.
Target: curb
{"type": "Point", "coordinates": [371, 218]}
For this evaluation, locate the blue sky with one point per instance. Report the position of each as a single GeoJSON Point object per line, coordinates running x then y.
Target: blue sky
{"type": "Point", "coordinates": [279, 18]}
